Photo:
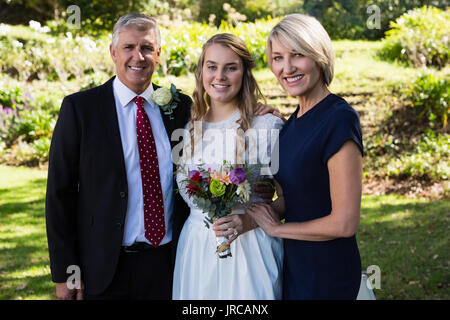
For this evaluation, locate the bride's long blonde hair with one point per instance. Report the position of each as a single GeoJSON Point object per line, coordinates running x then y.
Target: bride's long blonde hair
{"type": "Point", "coordinates": [248, 95]}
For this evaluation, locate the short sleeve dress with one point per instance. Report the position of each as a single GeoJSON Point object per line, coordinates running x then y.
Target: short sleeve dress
{"type": "Point", "coordinates": [317, 269]}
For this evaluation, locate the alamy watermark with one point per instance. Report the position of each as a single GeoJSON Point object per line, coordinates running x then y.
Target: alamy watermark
{"type": "Point", "coordinates": [74, 280]}
{"type": "Point", "coordinates": [374, 277]}
{"type": "Point", "coordinates": [74, 20]}
{"type": "Point", "coordinates": [213, 146]}
{"type": "Point", "coordinates": [374, 20]}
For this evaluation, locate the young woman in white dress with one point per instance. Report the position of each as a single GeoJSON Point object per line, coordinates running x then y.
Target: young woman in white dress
{"type": "Point", "coordinates": [225, 99]}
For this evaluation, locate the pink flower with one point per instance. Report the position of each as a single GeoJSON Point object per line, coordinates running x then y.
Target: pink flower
{"type": "Point", "coordinates": [221, 176]}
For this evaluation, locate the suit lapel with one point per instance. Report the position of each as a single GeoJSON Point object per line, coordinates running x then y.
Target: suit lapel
{"type": "Point", "coordinates": [108, 109]}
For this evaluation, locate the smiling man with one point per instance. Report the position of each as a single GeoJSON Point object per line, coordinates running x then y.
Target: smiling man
{"type": "Point", "coordinates": [110, 209]}
{"type": "Point", "coordinates": [135, 52]}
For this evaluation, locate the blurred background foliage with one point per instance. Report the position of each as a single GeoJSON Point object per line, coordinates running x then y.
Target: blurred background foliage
{"type": "Point", "coordinates": [396, 77]}
{"type": "Point", "coordinates": [345, 19]}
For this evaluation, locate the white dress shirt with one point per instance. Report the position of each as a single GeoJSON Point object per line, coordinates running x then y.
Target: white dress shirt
{"type": "Point", "coordinates": [126, 114]}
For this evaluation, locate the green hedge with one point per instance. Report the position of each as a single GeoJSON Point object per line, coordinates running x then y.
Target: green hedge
{"type": "Point", "coordinates": [430, 99]}
{"type": "Point", "coordinates": [419, 38]}
{"type": "Point", "coordinates": [25, 57]}
{"type": "Point", "coordinates": [28, 54]}
{"type": "Point", "coordinates": [27, 121]}
{"type": "Point", "coordinates": [430, 159]}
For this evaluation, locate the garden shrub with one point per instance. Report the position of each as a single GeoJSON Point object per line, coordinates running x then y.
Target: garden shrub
{"type": "Point", "coordinates": [430, 99]}
{"type": "Point", "coordinates": [419, 38]}
{"type": "Point", "coordinates": [430, 159]}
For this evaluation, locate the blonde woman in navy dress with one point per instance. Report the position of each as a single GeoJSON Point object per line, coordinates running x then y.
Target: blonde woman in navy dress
{"type": "Point", "coordinates": [320, 171]}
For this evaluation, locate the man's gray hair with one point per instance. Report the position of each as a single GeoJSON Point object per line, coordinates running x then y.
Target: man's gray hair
{"type": "Point", "coordinates": [140, 21]}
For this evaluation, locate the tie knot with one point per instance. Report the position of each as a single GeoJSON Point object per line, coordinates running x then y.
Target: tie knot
{"type": "Point", "coordinates": [139, 101]}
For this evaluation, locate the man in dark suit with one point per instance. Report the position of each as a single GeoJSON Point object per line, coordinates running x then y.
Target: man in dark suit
{"type": "Point", "coordinates": [97, 184]}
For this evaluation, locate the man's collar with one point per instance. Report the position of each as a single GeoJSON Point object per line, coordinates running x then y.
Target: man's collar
{"type": "Point", "coordinates": [126, 95]}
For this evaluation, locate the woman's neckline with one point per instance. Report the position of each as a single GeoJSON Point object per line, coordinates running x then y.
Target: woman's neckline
{"type": "Point", "coordinates": [311, 109]}
{"type": "Point", "coordinates": [224, 120]}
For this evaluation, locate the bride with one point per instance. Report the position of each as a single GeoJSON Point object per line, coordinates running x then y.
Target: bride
{"type": "Point", "coordinates": [224, 101]}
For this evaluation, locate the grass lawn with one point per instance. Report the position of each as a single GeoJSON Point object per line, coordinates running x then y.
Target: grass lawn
{"type": "Point", "coordinates": [24, 262]}
{"type": "Point", "coordinates": [407, 238]}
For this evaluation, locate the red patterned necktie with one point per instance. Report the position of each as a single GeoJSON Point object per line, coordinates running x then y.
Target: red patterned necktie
{"type": "Point", "coordinates": [155, 227]}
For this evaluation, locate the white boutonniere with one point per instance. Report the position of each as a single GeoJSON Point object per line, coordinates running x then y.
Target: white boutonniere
{"type": "Point", "coordinates": [167, 99]}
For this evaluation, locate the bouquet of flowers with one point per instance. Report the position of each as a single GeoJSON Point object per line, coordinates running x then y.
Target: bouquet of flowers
{"type": "Point", "coordinates": [216, 193]}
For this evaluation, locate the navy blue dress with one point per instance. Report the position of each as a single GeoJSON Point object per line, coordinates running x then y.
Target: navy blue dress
{"type": "Point", "coordinates": [317, 269]}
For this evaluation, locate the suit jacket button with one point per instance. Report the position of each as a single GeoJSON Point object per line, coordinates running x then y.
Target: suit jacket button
{"type": "Point", "coordinates": [123, 194]}
{"type": "Point", "coordinates": [118, 225]}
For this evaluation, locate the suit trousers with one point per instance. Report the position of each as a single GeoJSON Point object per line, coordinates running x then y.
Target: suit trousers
{"type": "Point", "coordinates": [143, 275]}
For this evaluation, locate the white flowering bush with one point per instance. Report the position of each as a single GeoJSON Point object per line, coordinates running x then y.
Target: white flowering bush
{"type": "Point", "coordinates": [53, 58]}
{"type": "Point", "coordinates": [182, 44]}
{"type": "Point", "coordinates": [28, 53]}
{"type": "Point", "coordinates": [420, 37]}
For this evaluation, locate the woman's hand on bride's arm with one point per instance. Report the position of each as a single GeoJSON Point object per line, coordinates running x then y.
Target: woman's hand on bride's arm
{"type": "Point", "coordinates": [233, 225]}
{"type": "Point", "coordinates": [279, 204]}
{"type": "Point", "coordinates": [265, 190]}
{"type": "Point", "coordinates": [262, 109]}
{"type": "Point", "coordinates": [265, 216]}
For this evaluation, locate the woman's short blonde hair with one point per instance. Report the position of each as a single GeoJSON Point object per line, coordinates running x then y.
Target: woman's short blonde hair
{"type": "Point", "coordinates": [306, 36]}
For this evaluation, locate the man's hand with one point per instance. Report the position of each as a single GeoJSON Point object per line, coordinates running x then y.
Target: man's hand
{"type": "Point", "coordinates": [265, 190]}
{"type": "Point", "coordinates": [64, 293]}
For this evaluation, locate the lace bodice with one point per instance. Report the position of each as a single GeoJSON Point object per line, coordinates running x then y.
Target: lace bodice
{"type": "Point", "coordinates": [219, 143]}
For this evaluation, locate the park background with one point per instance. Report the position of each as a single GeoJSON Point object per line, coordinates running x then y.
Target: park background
{"type": "Point", "coordinates": [392, 66]}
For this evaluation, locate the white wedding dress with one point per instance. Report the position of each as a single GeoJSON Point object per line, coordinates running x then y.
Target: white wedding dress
{"type": "Point", "coordinates": [254, 272]}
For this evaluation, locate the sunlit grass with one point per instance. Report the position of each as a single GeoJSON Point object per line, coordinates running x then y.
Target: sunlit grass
{"type": "Point", "coordinates": [24, 263]}
{"type": "Point", "coordinates": [408, 239]}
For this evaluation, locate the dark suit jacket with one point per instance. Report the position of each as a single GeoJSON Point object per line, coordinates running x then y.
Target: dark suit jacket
{"type": "Point", "coordinates": [86, 201]}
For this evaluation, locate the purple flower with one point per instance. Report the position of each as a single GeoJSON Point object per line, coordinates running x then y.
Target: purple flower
{"type": "Point", "coordinates": [237, 175]}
